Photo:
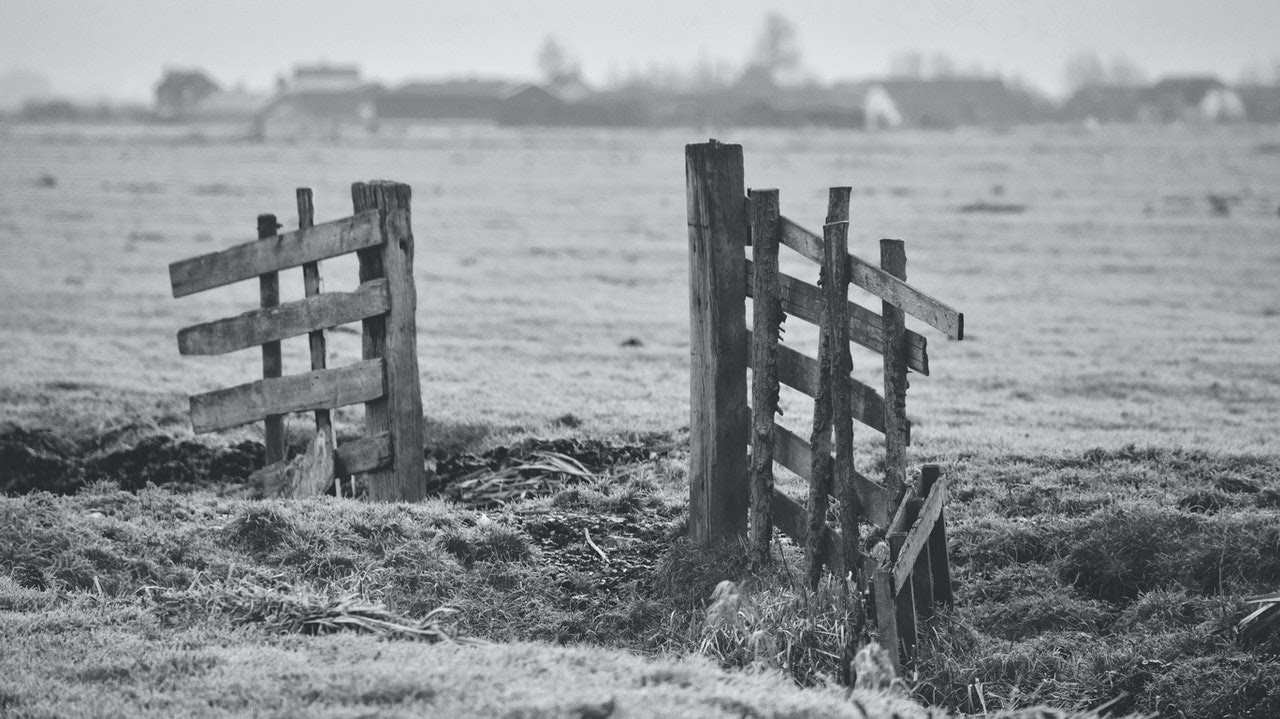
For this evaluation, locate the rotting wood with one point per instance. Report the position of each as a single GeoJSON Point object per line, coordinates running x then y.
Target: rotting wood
{"type": "Point", "coordinates": [800, 372]}
{"type": "Point", "coordinates": [363, 455]}
{"type": "Point", "coordinates": [274, 253]}
{"type": "Point", "coordinates": [804, 301]}
{"type": "Point", "coordinates": [893, 259]}
{"type": "Point", "coordinates": [251, 402]}
{"type": "Point", "coordinates": [918, 536]}
{"type": "Point", "coordinates": [886, 614]}
{"type": "Point", "coordinates": [719, 420]}
{"type": "Point", "coordinates": [792, 452]}
{"type": "Point", "coordinates": [837, 292]}
{"type": "Point", "coordinates": [272, 366]}
{"type": "Point", "coordinates": [879, 283]}
{"type": "Point", "coordinates": [310, 474]}
{"type": "Point", "coordinates": [767, 318]}
{"type": "Point", "coordinates": [921, 574]}
{"type": "Point", "coordinates": [939, 560]}
{"type": "Point", "coordinates": [291, 319]}
{"type": "Point", "coordinates": [820, 480]}
{"type": "Point", "coordinates": [904, 601]}
{"type": "Point", "coordinates": [312, 286]}
{"type": "Point", "coordinates": [394, 338]}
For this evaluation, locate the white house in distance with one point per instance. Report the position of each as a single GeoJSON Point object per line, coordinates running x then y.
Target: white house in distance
{"type": "Point", "coordinates": [320, 100]}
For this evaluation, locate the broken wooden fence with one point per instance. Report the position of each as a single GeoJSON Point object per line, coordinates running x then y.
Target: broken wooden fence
{"type": "Point", "coordinates": [386, 381]}
{"type": "Point", "coordinates": [731, 491]}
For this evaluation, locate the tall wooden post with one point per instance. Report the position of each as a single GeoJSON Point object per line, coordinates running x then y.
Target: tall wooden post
{"type": "Point", "coordinates": [893, 259]}
{"type": "Point", "coordinates": [767, 317]}
{"type": "Point", "coordinates": [718, 424]}
{"type": "Point", "coordinates": [312, 285]}
{"type": "Point", "coordinates": [394, 338]}
{"type": "Point", "coordinates": [269, 296]}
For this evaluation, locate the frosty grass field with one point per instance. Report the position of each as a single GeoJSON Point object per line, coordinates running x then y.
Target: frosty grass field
{"type": "Point", "coordinates": [1122, 330]}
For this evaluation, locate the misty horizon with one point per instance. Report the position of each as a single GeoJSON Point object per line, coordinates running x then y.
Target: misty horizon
{"type": "Point", "coordinates": [239, 44]}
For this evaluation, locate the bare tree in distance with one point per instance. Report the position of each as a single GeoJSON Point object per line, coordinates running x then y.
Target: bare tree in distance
{"type": "Point", "coordinates": [554, 62]}
{"type": "Point", "coordinates": [1087, 68]}
{"type": "Point", "coordinates": [777, 49]}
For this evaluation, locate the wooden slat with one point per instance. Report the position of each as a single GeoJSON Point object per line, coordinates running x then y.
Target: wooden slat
{"type": "Point", "coordinates": [318, 312]}
{"type": "Point", "coordinates": [766, 317]}
{"type": "Point", "coordinates": [803, 300]}
{"type": "Point", "coordinates": [792, 452]}
{"type": "Point", "coordinates": [939, 561]}
{"type": "Point", "coordinates": [893, 259]}
{"type": "Point", "coordinates": [272, 364]}
{"type": "Point", "coordinates": [800, 372]}
{"type": "Point", "coordinates": [364, 455]}
{"type": "Point", "coordinates": [904, 602]}
{"type": "Point", "coordinates": [880, 283]}
{"type": "Point", "coordinates": [312, 286]}
{"type": "Point", "coordinates": [280, 252]}
{"type": "Point", "coordinates": [918, 536]}
{"type": "Point", "coordinates": [225, 408]}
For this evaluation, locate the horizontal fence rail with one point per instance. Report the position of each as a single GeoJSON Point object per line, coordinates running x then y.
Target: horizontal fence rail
{"type": "Point", "coordinates": [937, 314]}
{"type": "Point", "coordinates": [273, 254]}
{"type": "Point", "coordinates": [318, 389]}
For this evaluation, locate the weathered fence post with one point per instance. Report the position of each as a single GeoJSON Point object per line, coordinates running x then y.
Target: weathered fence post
{"type": "Point", "coordinates": [767, 316]}
{"type": "Point", "coordinates": [904, 601]}
{"type": "Point", "coordinates": [269, 296]}
{"type": "Point", "coordinates": [394, 338]}
{"type": "Point", "coordinates": [718, 425]}
{"type": "Point", "coordinates": [893, 259]}
{"type": "Point", "coordinates": [312, 286]}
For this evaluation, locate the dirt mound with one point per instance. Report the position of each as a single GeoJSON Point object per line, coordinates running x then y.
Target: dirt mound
{"type": "Point", "coordinates": [35, 460]}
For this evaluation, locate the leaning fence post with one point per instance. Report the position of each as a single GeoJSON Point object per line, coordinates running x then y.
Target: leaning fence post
{"type": "Point", "coordinates": [904, 600]}
{"type": "Point", "coordinates": [767, 316]}
{"type": "Point", "coordinates": [269, 296]}
{"type": "Point", "coordinates": [718, 426]}
{"type": "Point", "coordinates": [394, 338]}
{"type": "Point", "coordinates": [893, 259]}
{"type": "Point", "coordinates": [939, 562]}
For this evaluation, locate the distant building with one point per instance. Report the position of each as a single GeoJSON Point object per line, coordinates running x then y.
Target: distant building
{"type": "Point", "coordinates": [450, 100]}
{"type": "Point", "coordinates": [1103, 104]}
{"type": "Point", "coordinates": [532, 105]}
{"type": "Point", "coordinates": [180, 90]}
{"type": "Point", "coordinates": [1192, 99]}
{"type": "Point", "coordinates": [320, 101]}
{"type": "Point", "coordinates": [1261, 102]}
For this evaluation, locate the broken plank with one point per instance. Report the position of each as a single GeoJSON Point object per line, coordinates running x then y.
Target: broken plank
{"type": "Point", "coordinates": [918, 536]}
{"type": "Point", "coordinates": [364, 455]}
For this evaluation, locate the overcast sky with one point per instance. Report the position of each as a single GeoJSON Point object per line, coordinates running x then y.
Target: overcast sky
{"type": "Point", "coordinates": [118, 48]}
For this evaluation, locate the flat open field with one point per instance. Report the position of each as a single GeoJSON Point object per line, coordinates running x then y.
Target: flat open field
{"type": "Point", "coordinates": [1117, 308]}
{"type": "Point", "coordinates": [1109, 423]}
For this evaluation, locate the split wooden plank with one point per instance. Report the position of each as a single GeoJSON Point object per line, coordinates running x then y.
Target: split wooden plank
{"type": "Point", "coordinates": [803, 300]}
{"type": "Point", "coordinates": [893, 259]}
{"type": "Point", "coordinates": [364, 455]}
{"type": "Point", "coordinates": [316, 313]}
{"type": "Point", "coordinates": [310, 474]}
{"type": "Point", "coordinates": [939, 560]}
{"type": "Point", "coordinates": [792, 452]}
{"type": "Point", "coordinates": [800, 372]}
{"type": "Point", "coordinates": [274, 253]}
{"type": "Point", "coordinates": [918, 536]}
{"type": "Point", "coordinates": [880, 283]}
{"type": "Point", "coordinates": [394, 338]}
{"type": "Point", "coordinates": [904, 602]}
{"type": "Point", "coordinates": [886, 614]}
{"type": "Point", "coordinates": [767, 319]}
{"type": "Point", "coordinates": [718, 232]}
{"type": "Point", "coordinates": [836, 233]}
{"type": "Point", "coordinates": [272, 364]}
{"type": "Point", "coordinates": [234, 406]}
{"type": "Point", "coordinates": [312, 286]}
